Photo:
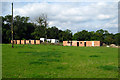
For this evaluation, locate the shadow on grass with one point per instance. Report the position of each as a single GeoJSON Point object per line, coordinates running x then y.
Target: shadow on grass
{"type": "Point", "coordinates": [61, 68]}
{"type": "Point", "coordinates": [44, 61]}
{"type": "Point", "coordinates": [38, 76]}
{"type": "Point", "coordinates": [94, 56]}
{"type": "Point", "coordinates": [49, 60]}
{"type": "Point", "coordinates": [44, 54]}
{"type": "Point", "coordinates": [108, 67]}
{"type": "Point", "coordinates": [25, 52]}
{"type": "Point", "coordinates": [19, 46]}
{"type": "Point", "coordinates": [101, 52]}
{"type": "Point", "coordinates": [38, 62]}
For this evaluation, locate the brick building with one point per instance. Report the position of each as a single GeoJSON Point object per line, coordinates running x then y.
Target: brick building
{"type": "Point", "coordinates": [26, 41]}
{"type": "Point", "coordinates": [37, 41]}
{"type": "Point", "coordinates": [81, 43]}
{"type": "Point", "coordinates": [18, 42]}
{"type": "Point", "coordinates": [22, 41]}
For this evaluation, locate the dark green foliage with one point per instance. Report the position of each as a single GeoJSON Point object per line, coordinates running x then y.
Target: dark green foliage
{"type": "Point", "coordinates": [82, 36]}
{"type": "Point", "coordinates": [39, 31]}
{"type": "Point", "coordinates": [100, 35]}
{"type": "Point", "coordinates": [117, 38]}
{"type": "Point", "coordinates": [22, 29]}
{"type": "Point", "coordinates": [28, 30]}
{"type": "Point", "coordinates": [53, 33]}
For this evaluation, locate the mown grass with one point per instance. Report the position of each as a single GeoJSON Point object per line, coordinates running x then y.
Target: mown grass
{"type": "Point", "coordinates": [50, 61]}
{"type": "Point", "coordinates": [0, 61]}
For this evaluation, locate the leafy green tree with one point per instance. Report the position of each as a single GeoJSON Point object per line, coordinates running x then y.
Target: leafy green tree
{"type": "Point", "coordinates": [109, 39]}
{"type": "Point", "coordinates": [82, 36]}
{"type": "Point", "coordinates": [39, 32]}
{"type": "Point", "coordinates": [6, 28]}
{"type": "Point", "coordinates": [42, 21]}
{"type": "Point", "coordinates": [67, 34]}
{"type": "Point", "coordinates": [22, 29]}
{"type": "Point", "coordinates": [53, 33]}
{"type": "Point", "coordinates": [92, 35]}
{"type": "Point", "coordinates": [28, 30]}
{"type": "Point", "coordinates": [99, 35]}
{"type": "Point", "coordinates": [117, 39]}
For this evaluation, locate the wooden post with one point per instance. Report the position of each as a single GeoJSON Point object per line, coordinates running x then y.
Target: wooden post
{"type": "Point", "coordinates": [12, 26]}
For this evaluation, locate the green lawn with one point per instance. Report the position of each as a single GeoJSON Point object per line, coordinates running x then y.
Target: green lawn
{"type": "Point", "coordinates": [0, 61]}
{"type": "Point", "coordinates": [50, 61]}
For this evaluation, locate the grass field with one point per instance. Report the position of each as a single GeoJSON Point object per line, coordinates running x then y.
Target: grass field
{"type": "Point", "coordinates": [0, 61]}
{"type": "Point", "coordinates": [50, 61]}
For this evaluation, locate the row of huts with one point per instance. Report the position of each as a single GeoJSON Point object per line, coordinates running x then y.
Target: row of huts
{"type": "Point", "coordinates": [81, 43]}
{"type": "Point", "coordinates": [65, 43]}
{"type": "Point", "coordinates": [49, 40]}
{"type": "Point", "coordinates": [26, 41]}
{"type": "Point", "coordinates": [35, 41]}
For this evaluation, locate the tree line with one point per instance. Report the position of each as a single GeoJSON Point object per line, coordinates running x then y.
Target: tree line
{"type": "Point", "coordinates": [24, 30]}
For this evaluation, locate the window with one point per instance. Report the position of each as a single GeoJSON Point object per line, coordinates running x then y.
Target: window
{"type": "Point", "coordinates": [80, 42]}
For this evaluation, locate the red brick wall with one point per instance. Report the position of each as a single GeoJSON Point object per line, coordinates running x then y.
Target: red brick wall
{"type": "Point", "coordinates": [32, 41]}
{"type": "Point", "coordinates": [18, 41]}
{"type": "Point", "coordinates": [11, 42]}
{"type": "Point", "coordinates": [15, 41]}
{"type": "Point", "coordinates": [65, 43]}
{"type": "Point", "coordinates": [22, 41]}
{"type": "Point", "coordinates": [96, 43]}
{"type": "Point", "coordinates": [27, 41]}
{"type": "Point", "coordinates": [37, 41]}
{"type": "Point", "coordinates": [81, 43]}
{"type": "Point", "coordinates": [89, 43]}
{"type": "Point", "coordinates": [74, 43]}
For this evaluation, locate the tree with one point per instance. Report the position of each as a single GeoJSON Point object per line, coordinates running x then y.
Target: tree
{"type": "Point", "coordinates": [22, 29]}
{"type": "Point", "coordinates": [42, 20]}
{"type": "Point", "coordinates": [53, 33]}
{"type": "Point", "coordinates": [6, 28]}
{"type": "Point", "coordinates": [66, 35]}
{"type": "Point", "coordinates": [92, 35]}
{"type": "Point", "coordinates": [117, 38]}
{"type": "Point", "coordinates": [82, 36]}
{"type": "Point", "coordinates": [28, 30]}
{"type": "Point", "coordinates": [99, 35]}
{"type": "Point", "coordinates": [38, 32]}
{"type": "Point", "coordinates": [109, 39]}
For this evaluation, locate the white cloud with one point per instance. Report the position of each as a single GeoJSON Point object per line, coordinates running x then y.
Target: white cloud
{"type": "Point", "coordinates": [74, 16]}
{"type": "Point", "coordinates": [104, 17]}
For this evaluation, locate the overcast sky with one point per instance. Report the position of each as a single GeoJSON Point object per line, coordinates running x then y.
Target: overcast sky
{"type": "Point", "coordinates": [75, 16]}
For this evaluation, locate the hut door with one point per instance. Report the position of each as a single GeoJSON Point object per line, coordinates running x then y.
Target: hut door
{"type": "Point", "coordinates": [77, 43]}
{"type": "Point", "coordinates": [92, 43]}
{"type": "Point", "coordinates": [29, 41]}
{"type": "Point", "coordinates": [85, 44]}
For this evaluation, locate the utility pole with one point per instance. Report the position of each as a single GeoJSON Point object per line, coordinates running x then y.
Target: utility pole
{"type": "Point", "coordinates": [12, 26]}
